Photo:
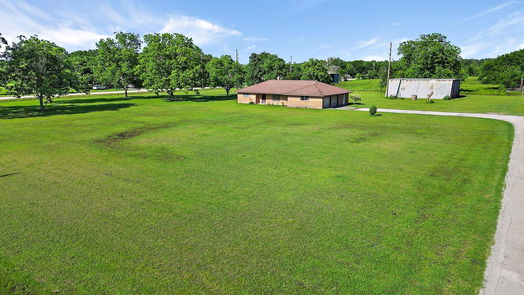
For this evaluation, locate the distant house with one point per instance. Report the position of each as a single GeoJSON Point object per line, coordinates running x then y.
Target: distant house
{"type": "Point", "coordinates": [294, 93]}
{"type": "Point", "coordinates": [422, 88]}
{"type": "Point", "coordinates": [333, 72]}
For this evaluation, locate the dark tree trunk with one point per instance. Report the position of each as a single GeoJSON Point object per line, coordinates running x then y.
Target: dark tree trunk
{"type": "Point", "coordinates": [171, 94]}
{"type": "Point", "coordinates": [125, 91]}
{"type": "Point", "coordinates": [227, 90]}
{"type": "Point", "coordinates": [41, 100]}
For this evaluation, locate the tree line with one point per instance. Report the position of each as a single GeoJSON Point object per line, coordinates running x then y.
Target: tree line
{"type": "Point", "coordinates": [170, 61]}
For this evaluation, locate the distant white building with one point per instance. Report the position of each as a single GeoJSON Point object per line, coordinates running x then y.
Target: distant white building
{"type": "Point", "coordinates": [422, 88]}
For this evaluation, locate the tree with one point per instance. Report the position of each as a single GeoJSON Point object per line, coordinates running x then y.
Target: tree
{"type": "Point", "coordinates": [430, 56]}
{"type": "Point", "coordinates": [203, 78]}
{"type": "Point", "coordinates": [3, 41]}
{"type": "Point", "coordinates": [3, 64]}
{"type": "Point", "coordinates": [315, 69]}
{"type": "Point", "coordinates": [224, 72]}
{"type": "Point", "coordinates": [294, 72]}
{"type": "Point", "coordinates": [84, 64]}
{"type": "Point", "coordinates": [337, 65]}
{"type": "Point", "coordinates": [39, 67]}
{"type": "Point", "coordinates": [265, 66]}
{"type": "Point", "coordinates": [170, 61]}
{"type": "Point", "coordinates": [117, 60]}
{"type": "Point", "coordinates": [505, 70]}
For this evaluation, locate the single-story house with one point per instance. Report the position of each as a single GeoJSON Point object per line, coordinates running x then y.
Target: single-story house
{"type": "Point", "coordinates": [422, 88]}
{"type": "Point", "coordinates": [294, 93]}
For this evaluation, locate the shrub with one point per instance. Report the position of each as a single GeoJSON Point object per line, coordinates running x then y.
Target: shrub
{"type": "Point", "coordinates": [372, 110]}
{"type": "Point", "coordinates": [251, 102]}
{"type": "Point", "coordinates": [392, 97]}
{"type": "Point", "coordinates": [356, 98]}
{"type": "Point", "coordinates": [446, 97]}
{"type": "Point", "coordinates": [430, 101]}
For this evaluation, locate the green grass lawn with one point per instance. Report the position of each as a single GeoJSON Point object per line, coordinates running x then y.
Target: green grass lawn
{"type": "Point", "coordinates": [496, 104]}
{"type": "Point", "coordinates": [477, 98]}
{"type": "Point", "coordinates": [206, 196]}
{"type": "Point", "coordinates": [470, 86]}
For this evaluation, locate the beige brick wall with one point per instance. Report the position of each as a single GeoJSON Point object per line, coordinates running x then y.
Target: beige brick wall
{"type": "Point", "coordinates": [283, 101]}
{"type": "Point", "coordinates": [312, 103]}
{"type": "Point", "coordinates": [290, 101]}
{"type": "Point", "coordinates": [246, 98]}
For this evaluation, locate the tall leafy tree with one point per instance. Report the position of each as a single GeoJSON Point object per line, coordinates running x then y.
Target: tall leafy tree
{"type": "Point", "coordinates": [169, 62]}
{"type": "Point", "coordinates": [39, 67]}
{"type": "Point", "coordinates": [202, 76]}
{"type": "Point", "coordinates": [315, 69]}
{"type": "Point", "coordinates": [506, 70]}
{"type": "Point", "coordinates": [265, 66]}
{"type": "Point", "coordinates": [3, 64]}
{"type": "Point", "coordinates": [225, 72]}
{"type": "Point", "coordinates": [84, 63]}
{"type": "Point", "coordinates": [429, 56]}
{"type": "Point", "coordinates": [294, 71]}
{"type": "Point", "coordinates": [117, 59]}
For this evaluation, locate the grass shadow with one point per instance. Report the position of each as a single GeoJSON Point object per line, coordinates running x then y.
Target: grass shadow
{"type": "Point", "coordinates": [90, 100]}
{"type": "Point", "coordinates": [201, 98]}
{"type": "Point", "coordinates": [9, 174]}
{"type": "Point", "coordinates": [16, 112]}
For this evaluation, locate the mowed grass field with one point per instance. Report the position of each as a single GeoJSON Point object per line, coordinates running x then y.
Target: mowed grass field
{"type": "Point", "coordinates": [476, 98]}
{"type": "Point", "coordinates": [102, 195]}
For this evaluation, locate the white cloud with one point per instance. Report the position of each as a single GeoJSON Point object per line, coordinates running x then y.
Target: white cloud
{"type": "Point", "coordinates": [366, 43]}
{"type": "Point", "coordinates": [200, 30]}
{"type": "Point", "coordinates": [503, 36]}
{"type": "Point", "coordinates": [470, 50]}
{"type": "Point", "coordinates": [375, 57]}
{"type": "Point", "coordinates": [74, 30]}
{"type": "Point", "coordinates": [72, 37]}
{"type": "Point", "coordinates": [23, 19]}
{"type": "Point", "coordinates": [492, 10]}
{"type": "Point", "coordinates": [395, 24]}
{"type": "Point", "coordinates": [255, 39]}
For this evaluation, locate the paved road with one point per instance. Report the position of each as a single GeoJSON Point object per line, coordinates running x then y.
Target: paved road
{"type": "Point", "coordinates": [505, 267]}
{"type": "Point", "coordinates": [75, 94]}
{"type": "Point", "coordinates": [97, 93]}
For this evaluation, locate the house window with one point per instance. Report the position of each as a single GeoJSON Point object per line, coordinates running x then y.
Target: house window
{"type": "Point", "coordinates": [276, 97]}
{"type": "Point", "coordinates": [246, 95]}
{"type": "Point", "coordinates": [304, 98]}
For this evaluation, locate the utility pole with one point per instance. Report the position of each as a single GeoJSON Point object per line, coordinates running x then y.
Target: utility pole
{"type": "Point", "coordinates": [291, 64]}
{"type": "Point", "coordinates": [236, 64]}
{"type": "Point", "coordinates": [389, 69]}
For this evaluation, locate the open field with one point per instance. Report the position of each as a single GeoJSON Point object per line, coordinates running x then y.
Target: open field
{"type": "Point", "coordinates": [497, 104]}
{"type": "Point", "coordinates": [471, 86]}
{"type": "Point", "coordinates": [471, 102]}
{"type": "Point", "coordinates": [104, 195]}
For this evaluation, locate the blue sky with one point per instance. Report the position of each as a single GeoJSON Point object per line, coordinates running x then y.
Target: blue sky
{"type": "Point", "coordinates": [299, 28]}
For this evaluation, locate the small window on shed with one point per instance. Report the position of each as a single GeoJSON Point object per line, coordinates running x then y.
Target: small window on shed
{"type": "Point", "coordinates": [246, 95]}
{"type": "Point", "coordinates": [304, 98]}
{"type": "Point", "coordinates": [276, 97]}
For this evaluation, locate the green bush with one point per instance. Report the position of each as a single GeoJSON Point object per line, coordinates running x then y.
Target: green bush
{"type": "Point", "coordinates": [251, 102]}
{"type": "Point", "coordinates": [446, 97]}
{"type": "Point", "coordinates": [356, 98]}
{"type": "Point", "coordinates": [372, 110]}
{"type": "Point", "coordinates": [392, 97]}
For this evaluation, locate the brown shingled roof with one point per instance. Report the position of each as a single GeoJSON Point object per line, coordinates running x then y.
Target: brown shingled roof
{"type": "Point", "coordinates": [294, 87]}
